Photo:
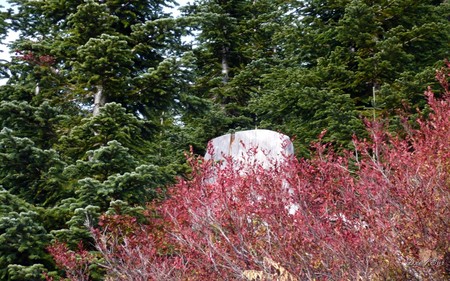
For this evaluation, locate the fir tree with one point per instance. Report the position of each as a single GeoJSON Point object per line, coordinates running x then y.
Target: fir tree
{"type": "Point", "coordinates": [343, 60]}
{"type": "Point", "coordinates": [22, 240]}
{"type": "Point", "coordinates": [234, 47]}
{"type": "Point", "coordinates": [89, 83]}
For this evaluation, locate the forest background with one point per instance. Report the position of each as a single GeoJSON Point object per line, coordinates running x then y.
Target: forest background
{"type": "Point", "coordinates": [104, 98]}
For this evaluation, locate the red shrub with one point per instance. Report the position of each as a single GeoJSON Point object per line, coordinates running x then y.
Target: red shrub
{"type": "Point", "coordinates": [137, 252]}
{"type": "Point", "coordinates": [378, 212]}
{"type": "Point", "coordinates": [75, 263]}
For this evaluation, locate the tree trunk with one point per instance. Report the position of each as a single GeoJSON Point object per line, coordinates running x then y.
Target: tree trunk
{"type": "Point", "coordinates": [225, 66]}
{"type": "Point", "coordinates": [99, 100]}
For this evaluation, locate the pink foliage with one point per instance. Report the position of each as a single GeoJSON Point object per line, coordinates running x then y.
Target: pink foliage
{"type": "Point", "coordinates": [135, 252]}
{"type": "Point", "coordinates": [379, 211]}
{"type": "Point", "coordinates": [32, 58]}
{"type": "Point", "coordinates": [75, 263]}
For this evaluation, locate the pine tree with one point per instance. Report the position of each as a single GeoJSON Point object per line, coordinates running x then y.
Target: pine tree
{"type": "Point", "coordinates": [295, 101]}
{"type": "Point", "coordinates": [22, 240]}
{"type": "Point", "coordinates": [38, 123]}
{"type": "Point", "coordinates": [377, 45]}
{"type": "Point", "coordinates": [3, 34]}
{"type": "Point", "coordinates": [234, 47]}
{"type": "Point", "coordinates": [28, 171]}
{"type": "Point", "coordinates": [99, 52]}
{"type": "Point", "coordinates": [81, 116]}
{"type": "Point", "coordinates": [352, 59]}
{"type": "Point", "coordinates": [112, 155]}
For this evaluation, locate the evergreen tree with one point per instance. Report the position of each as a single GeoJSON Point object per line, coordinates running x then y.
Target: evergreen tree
{"type": "Point", "coordinates": [22, 240]}
{"type": "Point", "coordinates": [379, 44]}
{"type": "Point", "coordinates": [28, 171]}
{"type": "Point", "coordinates": [352, 59]}
{"type": "Point", "coordinates": [296, 102]}
{"type": "Point", "coordinates": [101, 51]}
{"type": "Point", "coordinates": [234, 47]}
{"type": "Point", "coordinates": [112, 155]}
{"type": "Point", "coordinates": [38, 123]}
{"type": "Point", "coordinates": [3, 34]}
{"type": "Point", "coordinates": [81, 117]}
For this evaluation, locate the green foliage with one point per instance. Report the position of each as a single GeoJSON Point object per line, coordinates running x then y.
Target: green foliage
{"type": "Point", "coordinates": [144, 184]}
{"type": "Point", "coordinates": [108, 46]}
{"type": "Point", "coordinates": [297, 103]}
{"type": "Point", "coordinates": [103, 162]}
{"type": "Point", "coordinates": [104, 61]}
{"type": "Point", "coordinates": [11, 203]}
{"type": "Point", "coordinates": [107, 174]}
{"type": "Point", "coordinates": [26, 273]}
{"type": "Point", "coordinates": [3, 33]}
{"type": "Point", "coordinates": [68, 52]}
{"type": "Point", "coordinates": [111, 173]}
{"type": "Point", "coordinates": [112, 123]}
{"type": "Point", "coordinates": [235, 46]}
{"type": "Point", "coordinates": [119, 207]}
{"type": "Point", "coordinates": [38, 123]}
{"type": "Point", "coordinates": [29, 171]}
{"type": "Point", "coordinates": [339, 61]}
{"type": "Point", "coordinates": [3, 23]}
{"type": "Point", "coordinates": [91, 20]}
{"type": "Point", "coordinates": [22, 240]}
{"type": "Point", "coordinates": [376, 43]}
{"type": "Point", "coordinates": [76, 229]}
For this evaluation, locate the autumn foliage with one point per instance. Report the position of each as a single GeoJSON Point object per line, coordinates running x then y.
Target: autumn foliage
{"type": "Point", "coordinates": [74, 262]}
{"type": "Point", "coordinates": [35, 59]}
{"type": "Point", "coordinates": [377, 212]}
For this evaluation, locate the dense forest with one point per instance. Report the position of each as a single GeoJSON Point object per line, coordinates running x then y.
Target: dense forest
{"type": "Point", "coordinates": [107, 104]}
